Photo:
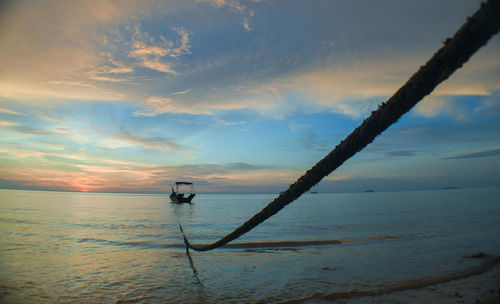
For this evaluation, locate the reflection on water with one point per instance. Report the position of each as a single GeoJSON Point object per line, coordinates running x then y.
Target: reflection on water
{"type": "Point", "coordinates": [127, 248]}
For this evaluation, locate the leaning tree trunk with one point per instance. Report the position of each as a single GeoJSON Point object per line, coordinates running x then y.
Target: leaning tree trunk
{"type": "Point", "coordinates": [456, 51]}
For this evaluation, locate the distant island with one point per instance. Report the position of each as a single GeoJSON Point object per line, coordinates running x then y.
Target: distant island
{"type": "Point", "coordinates": [369, 190]}
{"type": "Point", "coordinates": [449, 188]}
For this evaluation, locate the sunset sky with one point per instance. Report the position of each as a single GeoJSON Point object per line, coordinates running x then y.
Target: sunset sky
{"type": "Point", "coordinates": [237, 96]}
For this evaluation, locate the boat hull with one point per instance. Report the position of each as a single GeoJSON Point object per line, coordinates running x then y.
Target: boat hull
{"type": "Point", "coordinates": [180, 198]}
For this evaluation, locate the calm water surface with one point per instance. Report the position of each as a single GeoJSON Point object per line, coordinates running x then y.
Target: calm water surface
{"type": "Point", "coordinates": [60, 247]}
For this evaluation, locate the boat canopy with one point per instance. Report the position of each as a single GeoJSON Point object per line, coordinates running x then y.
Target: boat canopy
{"type": "Point", "coordinates": [183, 183]}
{"type": "Point", "coordinates": [178, 196]}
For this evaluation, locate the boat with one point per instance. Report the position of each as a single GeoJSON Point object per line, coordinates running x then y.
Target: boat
{"type": "Point", "coordinates": [177, 196]}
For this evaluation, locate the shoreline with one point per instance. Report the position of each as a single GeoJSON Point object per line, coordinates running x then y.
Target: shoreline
{"type": "Point", "coordinates": [475, 284]}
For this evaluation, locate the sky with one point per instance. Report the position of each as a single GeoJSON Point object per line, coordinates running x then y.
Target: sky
{"type": "Point", "coordinates": [237, 96]}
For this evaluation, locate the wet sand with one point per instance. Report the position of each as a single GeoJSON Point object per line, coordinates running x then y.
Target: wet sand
{"type": "Point", "coordinates": [480, 288]}
{"type": "Point", "coordinates": [250, 245]}
{"type": "Point", "coordinates": [475, 284]}
{"type": "Point", "coordinates": [292, 243]}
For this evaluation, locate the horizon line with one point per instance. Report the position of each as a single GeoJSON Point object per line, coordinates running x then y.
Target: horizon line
{"type": "Point", "coordinates": [309, 192]}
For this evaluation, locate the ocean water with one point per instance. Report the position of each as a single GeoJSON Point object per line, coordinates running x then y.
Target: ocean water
{"type": "Point", "coordinates": [61, 247]}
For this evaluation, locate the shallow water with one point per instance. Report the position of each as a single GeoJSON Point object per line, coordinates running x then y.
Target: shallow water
{"type": "Point", "coordinates": [58, 247]}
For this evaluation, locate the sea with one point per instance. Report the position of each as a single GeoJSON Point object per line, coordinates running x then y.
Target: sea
{"type": "Point", "coordinates": [69, 247]}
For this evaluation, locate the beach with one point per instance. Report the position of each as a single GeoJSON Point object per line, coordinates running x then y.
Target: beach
{"type": "Point", "coordinates": [477, 284]}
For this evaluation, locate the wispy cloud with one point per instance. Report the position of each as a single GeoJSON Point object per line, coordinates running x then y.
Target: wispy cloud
{"type": "Point", "coordinates": [236, 6]}
{"type": "Point", "coordinates": [73, 130]}
{"type": "Point", "coordinates": [111, 47]}
{"type": "Point", "coordinates": [152, 143]}
{"type": "Point", "coordinates": [230, 123]}
{"type": "Point", "coordinates": [72, 83]}
{"type": "Point", "coordinates": [110, 70]}
{"type": "Point", "coordinates": [158, 55]}
{"type": "Point", "coordinates": [403, 153]}
{"type": "Point", "coordinates": [460, 107]}
{"type": "Point", "coordinates": [57, 179]}
{"type": "Point", "coordinates": [488, 153]}
{"type": "Point", "coordinates": [477, 77]}
{"type": "Point", "coordinates": [229, 176]}
{"type": "Point", "coordinates": [50, 93]}
{"type": "Point", "coordinates": [79, 171]}
{"type": "Point", "coordinates": [245, 166]}
{"type": "Point", "coordinates": [353, 90]}
{"type": "Point", "coordinates": [4, 123]}
{"type": "Point", "coordinates": [59, 45]}
{"type": "Point", "coordinates": [156, 64]}
{"type": "Point", "coordinates": [62, 167]}
{"type": "Point", "coordinates": [9, 111]}
{"type": "Point", "coordinates": [156, 105]}
{"type": "Point", "coordinates": [38, 132]}
{"type": "Point", "coordinates": [124, 138]}
{"type": "Point", "coordinates": [109, 79]}
{"type": "Point", "coordinates": [181, 92]}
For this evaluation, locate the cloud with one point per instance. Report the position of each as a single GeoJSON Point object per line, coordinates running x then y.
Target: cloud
{"type": "Point", "coordinates": [158, 55]}
{"type": "Point", "coordinates": [181, 92]}
{"type": "Point", "coordinates": [479, 76]}
{"type": "Point", "coordinates": [38, 132]}
{"type": "Point", "coordinates": [108, 79]}
{"type": "Point", "coordinates": [230, 123]}
{"type": "Point", "coordinates": [337, 72]}
{"type": "Point", "coordinates": [82, 50]}
{"type": "Point", "coordinates": [39, 150]}
{"type": "Point", "coordinates": [96, 50]}
{"type": "Point", "coordinates": [212, 171]}
{"type": "Point", "coordinates": [244, 166]}
{"type": "Point", "coordinates": [235, 6]}
{"type": "Point", "coordinates": [157, 65]}
{"type": "Point", "coordinates": [12, 184]}
{"type": "Point", "coordinates": [56, 166]}
{"type": "Point", "coordinates": [4, 123]}
{"type": "Point", "coordinates": [10, 112]}
{"type": "Point", "coordinates": [351, 89]}
{"type": "Point", "coordinates": [80, 171]}
{"type": "Point", "coordinates": [229, 177]}
{"type": "Point", "coordinates": [311, 141]}
{"type": "Point", "coordinates": [53, 179]}
{"type": "Point", "coordinates": [433, 106]}
{"type": "Point", "coordinates": [73, 130]}
{"type": "Point", "coordinates": [58, 91]}
{"type": "Point", "coordinates": [60, 42]}
{"type": "Point", "coordinates": [488, 153]}
{"type": "Point", "coordinates": [110, 70]}
{"type": "Point", "coordinates": [156, 105]}
{"type": "Point", "coordinates": [401, 153]}
{"type": "Point", "coordinates": [124, 138]}
{"type": "Point", "coordinates": [460, 107]}
{"type": "Point", "coordinates": [431, 137]}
